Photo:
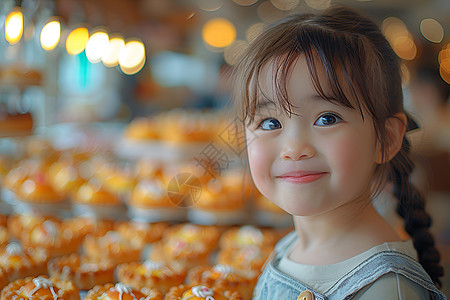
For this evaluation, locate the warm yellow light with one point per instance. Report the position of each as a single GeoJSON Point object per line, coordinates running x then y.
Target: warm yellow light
{"type": "Point", "coordinates": [96, 46]}
{"type": "Point", "coordinates": [444, 53]}
{"type": "Point", "coordinates": [444, 73]}
{"type": "Point", "coordinates": [76, 40]}
{"type": "Point", "coordinates": [111, 56]}
{"type": "Point", "coordinates": [219, 32]}
{"type": "Point", "coordinates": [233, 52]}
{"type": "Point", "coordinates": [432, 30]}
{"type": "Point", "coordinates": [132, 57]}
{"type": "Point", "coordinates": [50, 35]}
{"type": "Point", "coordinates": [285, 4]}
{"type": "Point", "coordinates": [404, 46]}
{"type": "Point", "coordinates": [14, 26]}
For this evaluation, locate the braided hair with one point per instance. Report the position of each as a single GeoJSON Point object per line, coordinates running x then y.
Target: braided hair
{"type": "Point", "coordinates": [411, 207]}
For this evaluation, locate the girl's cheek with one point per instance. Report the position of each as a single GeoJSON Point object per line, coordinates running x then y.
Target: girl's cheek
{"type": "Point", "coordinates": [260, 162]}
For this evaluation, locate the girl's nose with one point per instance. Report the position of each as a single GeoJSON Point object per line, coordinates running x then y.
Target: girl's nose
{"type": "Point", "coordinates": [297, 150]}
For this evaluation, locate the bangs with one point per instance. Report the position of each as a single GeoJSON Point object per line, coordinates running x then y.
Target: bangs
{"type": "Point", "coordinates": [344, 58]}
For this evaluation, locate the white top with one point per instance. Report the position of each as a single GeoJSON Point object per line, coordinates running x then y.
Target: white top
{"type": "Point", "coordinates": [322, 277]}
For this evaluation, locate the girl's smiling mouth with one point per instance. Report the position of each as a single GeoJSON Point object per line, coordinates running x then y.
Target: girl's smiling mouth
{"type": "Point", "coordinates": [302, 176]}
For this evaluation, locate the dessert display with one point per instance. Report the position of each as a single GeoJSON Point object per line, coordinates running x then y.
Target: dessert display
{"type": "Point", "coordinates": [248, 235]}
{"type": "Point", "coordinates": [201, 292]}
{"type": "Point", "coordinates": [3, 279]}
{"type": "Point", "coordinates": [90, 226]}
{"type": "Point", "coordinates": [151, 274]}
{"type": "Point", "coordinates": [4, 236]}
{"type": "Point", "coordinates": [92, 201]}
{"type": "Point", "coordinates": [247, 258]}
{"type": "Point", "coordinates": [120, 291]}
{"type": "Point", "coordinates": [57, 238]}
{"type": "Point", "coordinates": [18, 262]}
{"type": "Point", "coordinates": [84, 273]}
{"type": "Point", "coordinates": [226, 277]}
{"type": "Point", "coordinates": [150, 202]}
{"type": "Point", "coordinates": [38, 197]}
{"type": "Point", "coordinates": [141, 233]}
{"type": "Point", "coordinates": [22, 224]}
{"type": "Point", "coordinates": [110, 248]}
{"type": "Point", "coordinates": [188, 244]}
{"type": "Point", "coordinates": [18, 124]}
{"type": "Point", "coordinates": [40, 287]}
{"type": "Point", "coordinates": [223, 201]}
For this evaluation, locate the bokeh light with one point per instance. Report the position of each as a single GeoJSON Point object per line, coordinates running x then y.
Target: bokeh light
{"type": "Point", "coordinates": [219, 32]}
{"type": "Point", "coordinates": [400, 38]}
{"type": "Point", "coordinates": [132, 57]}
{"type": "Point", "coordinates": [77, 40]}
{"type": "Point", "coordinates": [444, 63]}
{"type": "Point", "coordinates": [14, 26]}
{"type": "Point", "coordinates": [96, 46]}
{"type": "Point", "coordinates": [111, 56]}
{"type": "Point", "coordinates": [318, 4]}
{"type": "Point", "coordinates": [254, 31]}
{"type": "Point", "coordinates": [245, 2]}
{"type": "Point", "coordinates": [432, 30]}
{"type": "Point", "coordinates": [285, 4]}
{"type": "Point", "coordinates": [209, 5]}
{"type": "Point", "coordinates": [50, 35]}
{"type": "Point", "coordinates": [269, 13]}
{"type": "Point", "coordinates": [233, 52]}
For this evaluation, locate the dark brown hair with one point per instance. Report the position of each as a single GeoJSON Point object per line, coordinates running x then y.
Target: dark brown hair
{"type": "Point", "coordinates": [363, 72]}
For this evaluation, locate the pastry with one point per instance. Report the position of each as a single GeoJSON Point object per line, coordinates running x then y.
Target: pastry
{"type": "Point", "coordinates": [93, 201]}
{"type": "Point", "coordinates": [120, 291]}
{"type": "Point", "coordinates": [111, 247]}
{"type": "Point", "coordinates": [188, 244]}
{"type": "Point", "coordinates": [248, 235]}
{"type": "Point", "coordinates": [83, 272]}
{"type": "Point", "coordinates": [201, 292]}
{"type": "Point", "coordinates": [19, 263]}
{"type": "Point", "coordinates": [57, 238]}
{"type": "Point", "coordinates": [226, 277]}
{"type": "Point", "coordinates": [3, 278]}
{"type": "Point", "coordinates": [151, 274]}
{"type": "Point", "coordinates": [246, 258]}
{"type": "Point", "coordinates": [141, 233]}
{"type": "Point", "coordinates": [40, 287]}
{"type": "Point", "coordinates": [149, 202]}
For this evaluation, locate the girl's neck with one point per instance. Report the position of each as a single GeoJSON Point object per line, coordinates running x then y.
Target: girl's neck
{"type": "Point", "coordinates": [339, 234]}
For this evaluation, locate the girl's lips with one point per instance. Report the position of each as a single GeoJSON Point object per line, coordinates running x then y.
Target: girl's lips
{"type": "Point", "coordinates": [302, 177]}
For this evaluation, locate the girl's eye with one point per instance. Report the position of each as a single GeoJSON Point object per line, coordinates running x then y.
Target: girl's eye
{"type": "Point", "coordinates": [328, 120]}
{"type": "Point", "coordinates": [269, 124]}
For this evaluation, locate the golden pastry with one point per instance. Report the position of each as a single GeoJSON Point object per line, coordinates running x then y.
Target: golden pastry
{"type": "Point", "coordinates": [120, 291]}
{"type": "Point", "coordinates": [83, 272]}
{"type": "Point", "coordinates": [19, 263]}
{"type": "Point", "coordinates": [40, 287]}
{"type": "Point", "coordinates": [141, 233]}
{"type": "Point", "coordinates": [201, 292]}
{"type": "Point", "coordinates": [151, 274]}
{"type": "Point", "coordinates": [226, 277]}
{"type": "Point", "coordinates": [111, 247]}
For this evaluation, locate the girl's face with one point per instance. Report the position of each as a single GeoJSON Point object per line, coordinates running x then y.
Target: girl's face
{"type": "Point", "coordinates": [319, 158]}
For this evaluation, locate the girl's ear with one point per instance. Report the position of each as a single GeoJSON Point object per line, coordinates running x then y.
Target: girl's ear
{"type": "Point", "coordinates": [395, 129]}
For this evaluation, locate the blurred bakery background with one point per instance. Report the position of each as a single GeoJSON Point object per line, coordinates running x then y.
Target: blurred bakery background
{"type": "Point", "coordinates": [115, 114]}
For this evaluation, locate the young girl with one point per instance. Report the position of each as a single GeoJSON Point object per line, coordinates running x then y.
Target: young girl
{"type": "Point", "coordinates": [321, 98]}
